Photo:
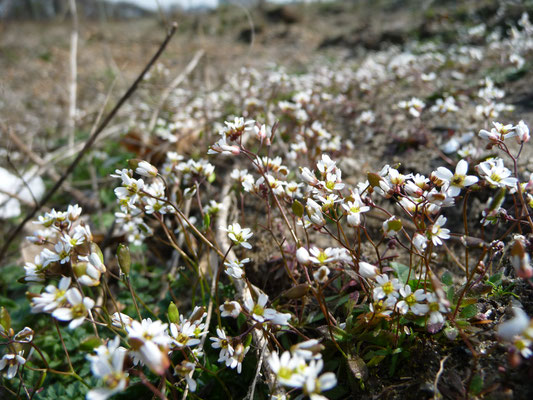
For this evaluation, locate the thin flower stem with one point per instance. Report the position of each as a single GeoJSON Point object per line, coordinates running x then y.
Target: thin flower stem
{"type": "Point", "coordinates": [130, 288]}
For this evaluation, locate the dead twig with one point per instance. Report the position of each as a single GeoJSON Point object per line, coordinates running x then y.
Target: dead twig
{"type": "Point", "coordinates": [73, 84]}
{"type": "Point", "coordinates": [90, 141]}
{"type": "Point", "coordinates": [437, 377]}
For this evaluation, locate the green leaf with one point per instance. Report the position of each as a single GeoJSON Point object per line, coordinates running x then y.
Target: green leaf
{"type": "Point", "coordinates": [402, 271]}
{"type": "Point", "coordinates": [450, 294]}
{"type": "Point", "coordinates": [476, 385]}
{"type": "Point", "coordinates": [468, 312]}
{"type": "Point", "coordinates": [496, 279]}
{"type": "Point", "coordinates": [447, 278]}
{"type": "Point", "coordinates": [91, 343]}
{"type": "Point", "coordinates": [375, 361]}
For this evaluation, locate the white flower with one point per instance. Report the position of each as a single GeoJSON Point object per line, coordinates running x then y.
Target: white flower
{"type": "Point", "coordinates": [444, 106]}
{"type": "Point", "coordinates": [244, 178]}
{"type": "Point", "coordinates": [186, 370]}
{"type": "Point", "coordinates": [420, 242]}
{"type": "Point", "coordinates": [414, 106]}
{"type": "Point", "coordinates": [458, 180]}
{"type": "Point", "coordinates": [235, 360]}
{"type": "Point", "coordinates": [263, 134]}
{"type": "Point", "coordinates": [436, 309]}
{"type": "Point", "coordinates": [239, 235]}
{"type": "Point", "coordinates": [321, 274]}
{"type": "Point", "coordinates": [288, 368]}
{"type": "Point", "coordinates": [48, 257]}
{"type": "Point", "coordinates": [235, 269]}
{"type": "Point", "coordinates": [52, 298]}
{"type": "Point", "coordinates": [78, 309]}
{"type": "Point", "coordinates": [495, 173]}
{"type": "Point", "coordinates": [354, 209]}
{"type": "Point", "coordinates": [149, 343]}
{"type": "Point", "coordinates": [90, 271]}
{"type": "Point", "coordinates": [35, 272]}
{"type": "Point", "coordinates": [224, 148]}
{"type": "Point", "coordinates": [184, 334]}
{"type": "Point", "coordinates": [411, 301]}
{"type": "Point", "coordinates": [131, 187]}
{"type": "Point", "coordinates": [314, 384]}
{"type": "Point", "coordinates": [314, 211]}
{"type": "Point", "coordinates": [499, 133]}
{"type": "Point", "coordinates": [230, 309]}
{"type": "Point", "coordinates": [386, 288]}
{"type": "Point", "coordinates": [366, 117]}
{"type": "Point", "coordinates": [223, 343]}
{"type": "Point", "coordinates": [437, 233]}
{"type": "Point", "coordinates": [261, 314]}
{"type": "Point", "coordinates": [117, 319]}
{"type": "Point", "coordinates": [108, 364]}
{"type": "Point", "coordinates": [12, 362]}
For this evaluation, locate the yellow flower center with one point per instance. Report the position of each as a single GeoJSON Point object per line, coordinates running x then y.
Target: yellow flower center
{"type": "Point", "coordinates": [458, 180]}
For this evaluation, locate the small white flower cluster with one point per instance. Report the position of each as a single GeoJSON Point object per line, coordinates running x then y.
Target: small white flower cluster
{"type": "Point", "coordinates": [232, 350]}
{"type": "Point", "coordinates": [301, 368]}
{"type": "Point", "coordinates": [66, 241]}
{"type": "Point", "coordinates": [108, 365]}
{"type": "Point", "coordinates": [14, 357]}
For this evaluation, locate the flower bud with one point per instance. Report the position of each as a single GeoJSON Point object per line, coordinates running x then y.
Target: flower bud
{"type": "Point", "coordinates": [302, 255]}
{"type": "Point", "coordinates": [367, 270]}
{"type": "Point", "coordinates": [522, 132]}
{"type": "Point", "coordinates": [143, 168]}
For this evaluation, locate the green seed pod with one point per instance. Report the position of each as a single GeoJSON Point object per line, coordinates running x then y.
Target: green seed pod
{"type": "Point", "coordinates": [134, 163]}
{"type": "Point", "coordinates": [79, 268]}
{"type": "Point", "coordinates": [297, 291]}
{"type": "Point", "coordinates": [96, 249]}
{"type": "Point", "coordinates": [497, 200]}
{"type": "Point", "coordinates": [297, 208]}
{"type": "Point", "coordinates": [248, 340]}
{"type": "Point", "coordinates": [373, 179]}
{"type": "Point", "coordinates": [5, 319]}
{"type": "Point", "coordinates": [124, 259]}
{"type": "Point", "coordinates": [173, 313]}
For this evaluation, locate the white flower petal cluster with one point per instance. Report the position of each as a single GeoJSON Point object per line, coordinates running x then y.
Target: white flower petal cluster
{"type": "Point", "coordinates": [149, 343]}
{"type": "Point", "coordinates": [455, 181]}
{"type": "Point", "coordinates": [496, 174]}
{"type": "Point", "coordinates": [75, 309]}
{"type": "Point", "coordinates": [301, 367]}
{"type": "Point", "coordinates": [238, 235]}
{"type": "Point", "coordinates": [518, 331]}
{"type": "Point", "coordinates": [12, 362]}
{"type": "Point", "coordinates": [108, 365]}
{"type": "Point", "coordinates": [259, 311]}
{"type": "Point", "coordinates": [232, 351]}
